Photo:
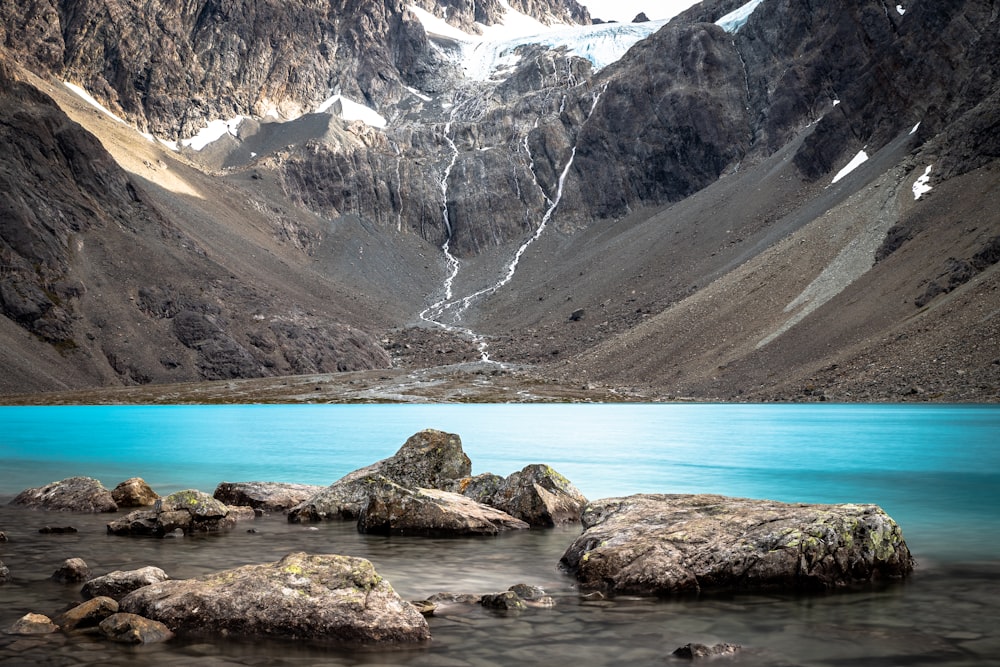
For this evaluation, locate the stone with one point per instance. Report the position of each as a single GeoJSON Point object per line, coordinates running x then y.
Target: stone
{"type": "Point", "coordinates": [480, 488]}
{"type": "Point", "coordinates": [57, 530]}
{"type": "Point", "coordinates": [32, 624]}
{"type": "Point", "coordinates": [395, 510]}
{"type": "Point", "coordinates": [692, 651]}
{"type": "Point", "coordinates": [120, 583]}
{"type": "Point", "coordinates": [664, 544]}
{"type": "Point", "coordinates": [430, 459]}
{"type": "Point", "coordinates": [302, 596]}
{"type": "Point", "coordinates": [72, 571]}
{"type": "Point", "coordinates": [266, 496]}
{"type": "Point", "coordinates": [4, 573]}
{"type": "Point", "coordinates": [133, 629]}
{"type": "Point", "coordinates": [540, 496]}
{"type": "Point", "coordinates": [189, 511]}
{"type": "Point", "coordinates": [134, 492]}
{"type": "Point", "coordinates": [505, 601]}
{"type": "Point", "coordinates": [3, 536]}
{"type": "Point", "coordinates": [74, 494]}
{"type": "Point", "coordinates": [88, 614]}
{"type": "Point", "coordinates": [533, 596]}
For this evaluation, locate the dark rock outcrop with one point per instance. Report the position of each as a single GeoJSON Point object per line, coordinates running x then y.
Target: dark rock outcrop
{"type": "Point", "coordinates": [72, 571]}
{"type": "Point", "coordinates": [430, 459]}
{"type": "Point", "coordinates": [668, 544]}
{"type": "Point", "coordinates": [134, 492]}
{"type": "Point", "coordinates": [189, 511]}
{"type": "Point", "coordinates": [132, 629]}
{"type": "Point", "coordinates": [302, 596]}
{"type": "Point", "coordinates": [73, 494]}
{"type": "Point", "coordinates": [395, 510]}
{"type": "Point", "coordinates": [118, 584]}
{"type": "Point", "coordinates": [88, 614]}
{"type": "Point", "coordinates": [266, 496]}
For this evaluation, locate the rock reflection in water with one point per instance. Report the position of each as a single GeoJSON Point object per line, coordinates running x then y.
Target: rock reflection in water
{"type": "Point", "coordinates": [942, 615]}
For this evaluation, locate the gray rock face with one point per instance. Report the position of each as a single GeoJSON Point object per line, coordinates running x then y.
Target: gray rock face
{"type": "Point", "coordinates": [72, 571]}
{"type": "Point", "coordinates": [88, 614]}
{"type": "Point", "coordinates": [668, 544]}
{"type": "Point", "coordinates": [134, 492]}
{"type": "Point", "coordinates": [536, 494]}
{"type": "Point", "coordinates": [118, 584]}
{"type": "Point", "coordinates": [266, 496]}
{"type": "Point", "coordinates": [74, 494]}
{"type": "Point", "coordinates": [189, 511]}
{"type": "Point", "coordinates": [430, 459]}
{"type": "Point", "coordinates": [302, 596]}
{"type": "Point", "coordinates": [133, 629]}
{"type": "Point", "coordinates": [394, 510]}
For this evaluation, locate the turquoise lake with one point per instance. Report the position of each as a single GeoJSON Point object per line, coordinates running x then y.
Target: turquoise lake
{"type": "Point", "coordinates": [935, 469]}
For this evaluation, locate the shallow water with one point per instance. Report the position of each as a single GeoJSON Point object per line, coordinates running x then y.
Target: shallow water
{"type": "Point", "coordinates": [935, 470]}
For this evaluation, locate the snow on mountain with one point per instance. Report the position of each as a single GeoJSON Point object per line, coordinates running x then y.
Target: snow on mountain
{"type": "Point", "coordinates": [214, 131]}
{"type": "Point", "coordinates": [855, 162]}
{"type": "Point", "coordinates": [348, 109]}
{"type": "Point", "coordinates": [487, 55]}
{"type": "Point", "coordinates": [737, 18]}
{"type": "Point", "coordinates": [922, 185]}
{"type": "Point", "coordinates": [624, 11]}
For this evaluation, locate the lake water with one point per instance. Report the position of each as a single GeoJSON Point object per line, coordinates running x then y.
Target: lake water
{"type": "Point", "coordinates": [935, 469]}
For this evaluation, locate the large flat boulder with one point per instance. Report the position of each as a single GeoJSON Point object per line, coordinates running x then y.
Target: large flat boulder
{"type": "Point", "coordinates": [653, 544]}
{"type": "Point", "coordinates": [396, 510]}
{"type": "Point", "coordinates": [73, 494]}
{"type": "Point", "coordinates": [430, 459]}
{"type": "Point", "coordinates": [265, 496]}
{"type": "Point", "coordinates": [302, 596]}
{"type": "Point", "coordinates": [120, 583]}
{"type": "Point", "coordinates": [189, 511]}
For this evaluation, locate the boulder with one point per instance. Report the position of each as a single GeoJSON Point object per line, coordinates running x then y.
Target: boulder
{"type": "Point", "coordinates": [134, 492]}
{"type": "Point", "coordinates": [505, 601]}
{"type": "Point", "coordinates": [429, 459]}
{"type": "Point", "coordinates": [480, 488]}
{"type": "Point", "coordinates": [538, 495]}
{"type": "Point", "coordinates": [133, 629]}
{"type": "Point", "coordinates": [266, 496]}
{"type": "Point", "coordinates": [72, 571]}
{"type": "Point", "coordinates": [74, 494]}
{"type": "Point", "coordinates": [187, 511]}
{"type": "Point", "coordinates": [88, 614]}
{"type": "Point", "coordinates": [692, 651]}
{"type": "Point", "coordinates": [302, 596]}
{"type": "Point", "coordinates": [3, 536]}
{"type": "Point", "coordinates": [120, 583]}
{"type": "Point", "coordinates": [4, 573]}
{"type": "Point", "coordinates": [32, 624]}
{"type": "Point", "coordinates": [395, 510]}
{"type": "Point", "coordinates": [651, 544]}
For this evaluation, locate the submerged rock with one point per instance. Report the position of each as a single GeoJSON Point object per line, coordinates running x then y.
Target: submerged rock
{"type": "Point", "coordinates": [4, 573]}
{"type": "Point", "coordinates": [430, 459]}
{"type": "Point", "coordinates": [189, 511]}
{"type": "Point", "coordinates": [302, 596]}
{"type": "Point", "coordinates": [266, 496]}
{"type": "Point", "coordinates": [652, 544]}
{"type": "Point", "coordinates": [120, 583]}
{"type": "Point", "coordinates": [692, 651]}
{"type": "Point", "coordinates": [32, 624]}
{"type": "Point", "coordinates": [73, 494]}
{"type": "Point", "coordinates": [72, 571]}
{"type": "Point", "coordinates": [134, 492]}
{"type": "Point", "coordinates": [396, 510]}
{"type": "Point", "coordinates": [133, 629]}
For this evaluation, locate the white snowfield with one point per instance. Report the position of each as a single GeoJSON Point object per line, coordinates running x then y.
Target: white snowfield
{"type": "Point", "coordinates": [736, 19]}
{"type": "Point", "coordinates": [855, 162]}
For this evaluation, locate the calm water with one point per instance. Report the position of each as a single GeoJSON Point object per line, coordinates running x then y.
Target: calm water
{"type": "Point", "coordinates": [935, 469]}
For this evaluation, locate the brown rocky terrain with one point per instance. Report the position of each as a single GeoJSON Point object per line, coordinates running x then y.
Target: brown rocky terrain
{"type": "Point", "coordinates": [696, 245]}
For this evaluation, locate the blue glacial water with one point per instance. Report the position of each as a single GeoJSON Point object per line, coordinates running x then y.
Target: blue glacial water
{"type": "Point", "coordinates": [935, 469]}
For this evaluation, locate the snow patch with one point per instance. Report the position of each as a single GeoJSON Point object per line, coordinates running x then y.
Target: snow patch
{"type": "Point", "coordinates": [736, 19]}
{"type": "Point", "coordinates": [914, 130]}
{"type": "Point", "coordinates": [417, 93]}
{"type": "Point", "coordinates": [89, 99]}
{"type": "Point", "coordinates": [214, 131]}
{"type": "Point", "coordinates": [855, 162]}
{"type": "Point", "coordinates": [921, 185]}
{"type": "Point", "coordinates": [348, 109]}
{"type": "Point", "coordinates": [900, 9]}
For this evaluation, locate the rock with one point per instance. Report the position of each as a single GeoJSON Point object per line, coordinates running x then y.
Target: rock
{"type": "Point", "coordinates": [57, 530]}
{"type": "Point", "coordinates": [651, 544]}
{"type": "Point", "coordinates": [480, 488]}
{"type": "Point", "coordinates": [533, 596]}
{"type": "Point", "coordinates": [302, 596]}
{"type": "Point", "coordinates": [4, 573]}
{"type": "Point", "coordinates": [189, 511]}
{"type": "Point", "coordinates": [396, 510]}
{"type": "Point", "coordinates": [429, 459]}
{"type": "Point", "coordinates": [134, 492]}
{"type": "Point", "coordinates": [267, 496]}
{"type": "Point", "coordinates": [74, 494]}
{"type": "Point", "coordinates": [88, 614]}
{"type": "Point", "coordinates": [133, 629]}
{"type": "Point", "coordinates": [3, 536]}
{"type": "Point", "coordinates": [72, 571]}
{"type": "Point", "coordinates": [120, 583]}
{"type": "Point", "coordinates": [32, 624]}
{"type": "Point", "coordinates": [540, 496]}
{"type": "Point", "coordinates": [692, 651]}
{"type": "Point", "coordinates": [506, 601]}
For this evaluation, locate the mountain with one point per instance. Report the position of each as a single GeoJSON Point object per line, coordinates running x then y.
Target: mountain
{"type": "Point", "coordinates": [763, 201]}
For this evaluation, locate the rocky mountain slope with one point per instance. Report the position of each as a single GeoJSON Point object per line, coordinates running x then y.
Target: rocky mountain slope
{"type": "Point", "coordinates": [390, 191]}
